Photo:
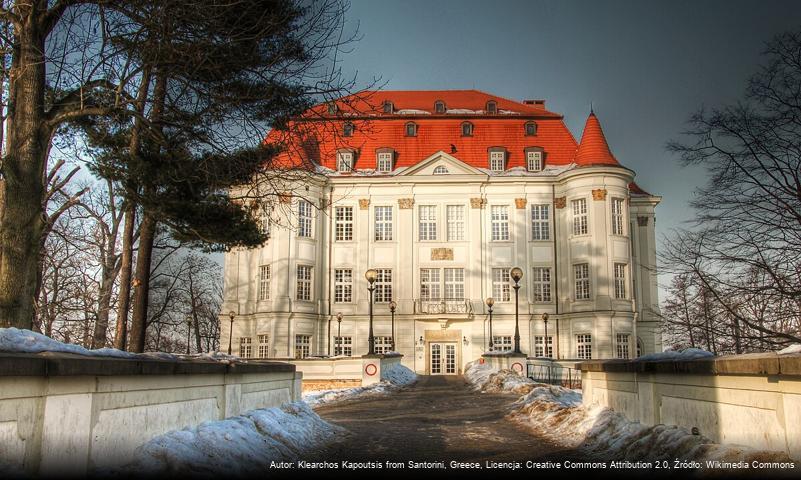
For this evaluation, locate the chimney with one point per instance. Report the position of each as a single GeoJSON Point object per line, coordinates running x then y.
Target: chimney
{"type": "Point", "coordinates": [535, 103]}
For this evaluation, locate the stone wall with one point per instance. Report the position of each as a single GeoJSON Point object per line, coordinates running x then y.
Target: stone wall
{"type": "Point", "coordinates": [752, 400]}
{"type": "Point", "coordinates": [329, 372]}
{"type": "Point", "coordinates": [64, 414]}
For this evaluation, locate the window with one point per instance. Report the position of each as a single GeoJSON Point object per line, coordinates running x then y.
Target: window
{"type": "Point", "coordinates": [332, 108]}
{"type": "Point", "coordinates": [382, 344]}
{"type": "Point", "coordinates": [497, 163]}
{"type": "Point", "coordinates": [383, 286]}
{"type": "Point", "coordinates": [344, 161]}
{"type": "Point", "coordinates": [439, 106]}
{"type": "Point", "coordinates": [492, 107]}
{"type": "Point", "coordinates": [454, 283]}
{"type": "Point", "coordinates": [581, 275]}
{"type": "Point", "coordinates": [531, 129]}
{"type": "Point", "coordinates": [347, 129]}
{"type": "Point", "coordinates": [304, 283]}
{"type": "Point", "coordinates": [383, 223]}
{"type": "Point", "coordinates": [617, 216]}
{"type": "Point", "coordinates": [388, 107]}
{"type": "Point", "coordinates": [343, 346]}
{"type": "Point", "coordinates": [343, 220]}
{"type": "Point", "coordinates": [302, 346]}
{"type": "Point", "coordinates": [467, 129]}
{"type": "Point", "coordinates": [429, 284]}
{"type": "Point", "coordinates": [584, 346]}
{"type": "Point", "coordinates": [264, 282]}
{"type": "Point", "coordinates": [500, 222]}
{"type": "Point", "coordinates": [542, 284]}
{"type": "Point", "coordinates": [543, 346]}
{"type": "Point", "coordinates": [304, 219]}
{"type": "Point", "coordinates": [534, 161]}
{"type": "Point", "coordinates": [384, 162]}
{"type": "Point", "coordinates": [343, 285]}
{"type": "Point", "coordinates": [428, 222]}
{"type": "Point", "coordinates": [620, 280]}
{"type": "Point", "coordinates": [502, 343]}
{"type": "Point", "coordinates": [622, 345]}
{"type": "Point", "coordinates": [265, 223]}
{"type": "Point", "coordinates": [411, 129]}
{"type": "Point", "coordinates": [501, 286]}
{"type": "Point", "coordinates": [245, 346]}
{"type": "Point", "coordinates": [540, 226]}
{"type": "Point", "coordinates": [441, 170]}
{"type": "Point", "coordinates": [455, 217]}
{"type": "Point", "coordinates": [264, 346]}
{"type": "Point", "coordinates": [580, 216]}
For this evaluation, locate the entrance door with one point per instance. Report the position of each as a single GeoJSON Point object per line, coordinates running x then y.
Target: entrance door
{"type": "Point", "coordinates": [443, 358]}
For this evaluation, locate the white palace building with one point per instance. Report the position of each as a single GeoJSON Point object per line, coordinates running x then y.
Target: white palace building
{"type": "Point", "coordinates": [442, 194]}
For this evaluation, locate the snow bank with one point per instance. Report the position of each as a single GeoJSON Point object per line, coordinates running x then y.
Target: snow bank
{"type": "Point", "coordinates": [236, 446]}
{"type": "Point", "coordinates": [794, 348]}
{"type": "Point", "coordinates": [686, 354]}
{"type": "Point", "coordinates": [489, 379]}
{"type": "Point", "coordinates": [392, 379]}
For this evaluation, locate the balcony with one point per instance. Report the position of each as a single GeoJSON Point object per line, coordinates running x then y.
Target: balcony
{"type": "Point", "coordinates": [437, 306]}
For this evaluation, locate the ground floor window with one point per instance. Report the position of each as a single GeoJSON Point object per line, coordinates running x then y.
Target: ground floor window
{"type": "Point", "coordinates": [245, 347]}
{"type": "Point", "coordinates": [343, 346]}
{"type": "Point", "coordinates": [543, 347]}
{"type": "Point", "coordinates": [383, 344]}
{"type": "Point", "coordinates": [622, 343]}
{"type": "Point", "coordinates": [302, 346]}
{"type": "Point", "coordinates": [584, 346]}
{"type": "Point", "coordinates": [264, 346]}
{"type": "Point", "coordinates": [502, 343]}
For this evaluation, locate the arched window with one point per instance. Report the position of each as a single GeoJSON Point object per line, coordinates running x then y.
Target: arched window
{"type": "Point", "coordinates": [467, 129]}
{"type": "Point", "coordinates": [441, 170]}
{"type": "Point", "coordinates": [411, 129]}
{"type": "Point", "coordinates": [347, 129]}
{"type": "Point", "coordinates": [388, 107]}
{"type": "Point", "coordinates": [439, 106]}
{"type": "Point", "coordinates": [531, 129]}
{"type": "Point", "coordinates": [492, 107]}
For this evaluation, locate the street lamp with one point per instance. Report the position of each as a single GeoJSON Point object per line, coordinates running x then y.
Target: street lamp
{"type": "Point", "coordinates": [371, 275]}
{"type": "Point", "coordinates": [231, 314]}
{"type": "Point", "coordinates": [490, 302]}
{"type": "Point", "coordinates": [188, 333]}
{"type": "Point", "coordinates": [516, 275]}
{"type": "Point", "coordinates": [392, 307]}
{"type": "Point", "coordinates": [545, 347]}
{"type": "Point", "coordinates": [338, 343]}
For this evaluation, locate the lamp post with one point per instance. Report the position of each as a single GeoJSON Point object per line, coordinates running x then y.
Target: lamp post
{"type": "Point", "coordinates": [231, 314]}
{"type": "Point", "coordinates": [370, 275]}
{"type": "Point", "coordinates": [188, 333]}
{"type": "Point", "coordinates": [338, 342]}
{"type": "Point", "coordinates": [490, 302]}
{"type": "Point", "coordinates": [392, 307]}
{"type": "Point", "coordinates": [516, 275]}
{"type": "Point", "coordinates": [545, 341]}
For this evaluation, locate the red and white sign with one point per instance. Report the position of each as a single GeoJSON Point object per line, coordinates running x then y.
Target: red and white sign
{"type": "Point", "coordinates": [370, 369]}
{"type": "Point", "coordinates": [517, 367]}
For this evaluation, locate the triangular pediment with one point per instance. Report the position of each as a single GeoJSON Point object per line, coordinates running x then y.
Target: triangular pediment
{"type": "Point", "coordinates": [439, 163]}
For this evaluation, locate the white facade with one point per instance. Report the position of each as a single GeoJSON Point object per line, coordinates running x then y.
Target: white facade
{"type": "Point", "coordinates": [440, 283]}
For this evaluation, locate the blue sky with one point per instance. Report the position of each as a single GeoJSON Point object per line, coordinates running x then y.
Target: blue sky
{"type": "Point", "coordinates": [644, 66]}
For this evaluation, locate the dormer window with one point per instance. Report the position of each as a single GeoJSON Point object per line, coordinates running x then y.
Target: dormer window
{"type": "Point", "coordinates": [534, 160]}
{"type": "Point", "coordinates": [347, 129]}
{"type": "Point", "coordinates": [384, 160]}
{"type": "Point", "coordinates": [531, 129]}
{"type": "Point", "coordinates": [411, 129]}
{"type": "Point", "coordinates": [441, 170]}
{"type": "Point", "coordinates": [388, 107]}
{"type": "Point", "coordinates": [467, 129]}
{"type": "Point", "coordinates": [492, 107]}
{"type": "Point", "coordinates": [439, 106]}
{"type": "Point", "coordinates": [497, 159]}
{"type": "Point", "coordinates": [332, 108]}
{"type": "Point", "coordinates": [345, 161]}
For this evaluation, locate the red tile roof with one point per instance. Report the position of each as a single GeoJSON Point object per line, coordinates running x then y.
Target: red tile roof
{"type": "Point", "coordinates": [593, 149]}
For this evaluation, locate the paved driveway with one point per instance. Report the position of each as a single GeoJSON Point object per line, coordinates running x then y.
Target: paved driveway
{"type": "Point", "coordinates": [437, 419]}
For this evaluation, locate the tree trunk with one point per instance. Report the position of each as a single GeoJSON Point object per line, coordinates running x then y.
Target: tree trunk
{"type": "Point", "coordinates": [141, 283]}
{"type": "Point", "coordinates": [21, 214]}
{"type": "Point", "coordinates": [124, 299]}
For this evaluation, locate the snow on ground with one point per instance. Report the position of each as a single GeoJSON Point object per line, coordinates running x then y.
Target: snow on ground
{"type": "Point", "coordinates": [794, 348]}
{"type": "Point", "coordinates": [236, 446]}
{"type": "Point", "coordinates": [392, 378]}
{"type": "Point", "coordinates": [557, 413]}
{"type": "Point", "coordinates": [686, 354]}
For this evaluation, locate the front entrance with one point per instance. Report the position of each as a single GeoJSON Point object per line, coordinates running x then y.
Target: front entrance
{"type": "Point", "coordinates": [442, 360]}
